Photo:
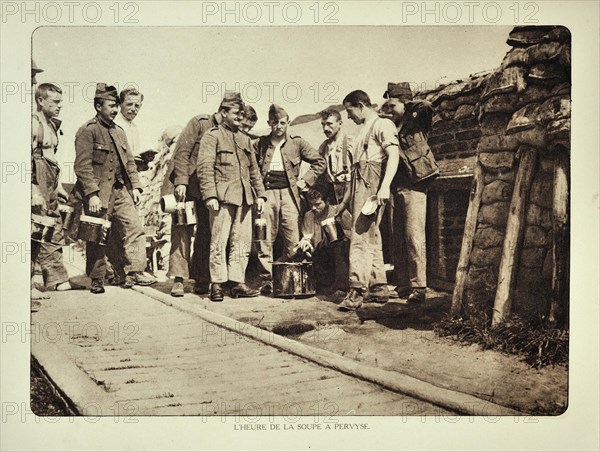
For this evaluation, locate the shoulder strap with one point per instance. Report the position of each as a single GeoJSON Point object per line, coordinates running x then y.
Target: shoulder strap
{"type": "Point", "coordinates": [40, 133]}
{"type": "Point", "coordinates": [367, 138]}
{"type": "Point", "coordinates": [345, 154]}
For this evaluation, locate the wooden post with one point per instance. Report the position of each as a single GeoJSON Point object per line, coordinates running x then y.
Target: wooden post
{"type": "Point", "coordinates": [514, 234]}
{"type": "Point", "coordinates": [560, 237]}
{"type": "Point", "coordinates": [467, 241]}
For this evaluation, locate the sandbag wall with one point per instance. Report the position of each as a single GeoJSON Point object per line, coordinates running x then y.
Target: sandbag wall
{"type": "Point", "coordinates": [453, 139]}
{"type": "Point", "coordinates": [521, 235]}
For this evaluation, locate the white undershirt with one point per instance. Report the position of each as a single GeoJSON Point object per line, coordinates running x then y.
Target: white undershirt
{"type": "Point", "coordinates": [277, 160]}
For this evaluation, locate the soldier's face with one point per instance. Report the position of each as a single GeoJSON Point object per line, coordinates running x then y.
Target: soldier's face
{"type": "Point", "coordinates": [355, 113]}
{"type": "Point", "coordinates": [247, 125]}
{"type": "Point", "coordinates": [107, 110]}
{"type": "Point", "coordinates": [131, 107]}
{"type": "Point", "coordinates": [317, 206]}
{"type": "Point", "coordinates": [51, 105]}
{"type": "Point", "coordinates": [278, 126]}
{"type": "Point", "coordinates": [233, 117]}
{"type": "Point", "coordinates": [396, 108]}
{"type": "Point", "coordinates": [331, 126]}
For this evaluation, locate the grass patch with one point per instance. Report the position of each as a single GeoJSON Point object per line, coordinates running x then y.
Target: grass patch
{"type": "Point", "coordinates": [537, 344]}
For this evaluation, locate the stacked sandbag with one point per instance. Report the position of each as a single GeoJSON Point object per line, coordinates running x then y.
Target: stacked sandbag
{"type": "Point", "coordinates": [525, 104]}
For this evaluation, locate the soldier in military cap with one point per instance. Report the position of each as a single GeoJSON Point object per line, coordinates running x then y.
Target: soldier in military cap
{"type": "Point", "coordinates": [181, 174]}
{"type": "Point", "coordinates": [279, 157]}
{"type": "Point", "coordinates": [230, 184]}
{"type": "Point", "coordinates": [107, 182]}
{"type": "Point", "coordinates": [415, 173]}
{"type": "Point", "coordinates": [34, 71]}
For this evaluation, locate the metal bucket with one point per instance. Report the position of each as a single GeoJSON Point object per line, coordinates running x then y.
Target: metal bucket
{"type": "Point", "coordinates": [184, 213]}
{"type": "Point", "coordinates": [291, 279]}
{"type": "Point", "coordinates": [168, 203]}
{"type": "Point", "coordinates": [68, 215]}
{"type": "Point", "coordinates": [42, 228]}
{"type": "Point", "coordinates": [93, 229]}
{"type": "Point", "coordinates": [332, 229]}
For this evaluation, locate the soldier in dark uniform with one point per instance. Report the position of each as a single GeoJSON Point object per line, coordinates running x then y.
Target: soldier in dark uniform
{"type": "Point", "coordinates": [415, 173]}
{"type": "Point", "coordinates": [230, 184]}
{"type": "Point", "coordinates": [182, 174]}
{"type": "Point", "coordinates": [107, 182]}
{"type": "Point", "coordinates": [279, 158]}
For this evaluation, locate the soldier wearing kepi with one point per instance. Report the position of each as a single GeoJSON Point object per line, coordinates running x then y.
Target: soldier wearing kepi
{"type": "Point", "coordinates": [230, 183]}
{"type": "Point", "coordinates": [416, 171]}
{"type": "Point", "coordinates": [107, 181]}
{"type": "Point", "coordinates": [279, 157]}
{"type": "Point", "coordinates": [182, 174]}
{"type": "Point", "coordinates": [376, 161]}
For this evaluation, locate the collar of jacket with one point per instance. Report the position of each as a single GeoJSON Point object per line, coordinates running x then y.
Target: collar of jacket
{"type": "Point", "coordinates": [108, 125]}
{"type": "Point", "coordinates": [226, 126]}
{"type": "Point", "coordinates": [285, 138]}
{"type": "Point", "coordinates": [217, 118]}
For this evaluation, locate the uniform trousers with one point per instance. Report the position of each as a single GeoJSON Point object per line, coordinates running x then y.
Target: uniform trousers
{"type": "Point", "coordinates": [282, 217]}
{"type": "Point", "coordinates": [49, 255]}
{"type": "Point", "coordinates": [230, 225]}
{"type": "Point", "coordinates": [366, 253]}
{"type": "Point", "coordinates": [409, 230]}
{"type": "Point", "coordinates": [134, 239]}
{"type": "Point", "coordinates": [184, 264]}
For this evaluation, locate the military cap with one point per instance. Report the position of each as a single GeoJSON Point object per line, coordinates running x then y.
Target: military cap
{"type": "Point", "coordinates": [276, 113]}
{"type": "Point", "coordinates": [34, 68]}
{"type": "Point", "coordinates": [400, 91]}
{"type": "Point", "coordinates": [232, 98]}
{"type": "Point", "coordinates": [106, 92]}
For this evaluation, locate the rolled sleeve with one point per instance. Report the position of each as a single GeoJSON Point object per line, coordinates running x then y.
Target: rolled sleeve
{"type": "Point", "coordinates": [386, 134]}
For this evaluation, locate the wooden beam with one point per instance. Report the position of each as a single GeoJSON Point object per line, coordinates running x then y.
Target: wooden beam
{"type": "Point", "coordinates": [514, 234]}
{"type": "Point", "coordinates": [467, 241]}
{"type": "Point", "coordinates": [560, 238]}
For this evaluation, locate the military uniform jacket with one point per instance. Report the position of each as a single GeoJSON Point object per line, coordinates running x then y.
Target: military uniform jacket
{"type": "Point", "coordinates": [227, 168]}
{"type": "Point", "coordinates": [182, 167]}
{"type": "Point", "coordinates": [293, 151]}
{"type": "Point", "coordinates": [101, 155]}
{"type": "Point", "coordinates": [418, 165]}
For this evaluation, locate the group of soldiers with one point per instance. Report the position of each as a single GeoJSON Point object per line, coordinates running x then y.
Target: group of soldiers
{"type": "Point", "coordinates": [235, 178]}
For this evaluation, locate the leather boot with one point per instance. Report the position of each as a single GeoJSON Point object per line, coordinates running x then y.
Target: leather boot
{"type": "Point", "coordinates": [243, 291]}
{"type": "Point", "coordinates": [216, 292]}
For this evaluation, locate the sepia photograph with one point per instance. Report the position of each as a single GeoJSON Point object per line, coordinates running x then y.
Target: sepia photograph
{"type": "Point", "coordinates": [320, 233]}
{"type": "Point", "coordinates": [283, 220]}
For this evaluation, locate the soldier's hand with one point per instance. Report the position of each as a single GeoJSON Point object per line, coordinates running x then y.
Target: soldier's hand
{"type": "Point", "coordinates": [180, 191]}
{"type": "Point", "coordinates": [306, 246]}
{"type": "Point", "coordinates": [137, 196]}
{"type": "Point", "coordinates": [95, 204]}
{"type": "Point", "coordinates": [212, 204]}
{"type": "Point", "coordinates": [383, 195]}
{"type": "Point", "coordinates": [260, 205]}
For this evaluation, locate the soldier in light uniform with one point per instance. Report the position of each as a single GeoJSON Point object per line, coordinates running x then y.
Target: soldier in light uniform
{"type": "Point", "coordinates": [107, 181]}
{"type": "Point", "coordinates": [337, 151]}
{"type": "Point", "coordinates": [376, 161]}
{"type": "Point", "coordinates": [130, 103]}
{"type": "Point", "coordinates": [230, 184]}
{"type": "Point", "coordinates": [46, 188]}
{"type": "Point", "coordinates": [279, 157]}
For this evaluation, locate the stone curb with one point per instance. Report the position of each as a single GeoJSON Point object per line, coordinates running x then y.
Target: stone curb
{"type": "Point", "coordinates": [459, 402]}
